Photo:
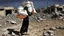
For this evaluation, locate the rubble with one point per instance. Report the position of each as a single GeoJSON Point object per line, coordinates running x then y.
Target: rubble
{"type": "Point", "coordinates": [12, 21]}
{"type": "Point", "coordinates": [48, 33]}
{"type": "Point", "coordinates": [53, 28]}
{"type": "Point", "coordinates": [45, 34]}
{"type": "Point", "coordinates": [61, 27]}
{"type": "Point", "coordinates": [13, 34]}
{"type": "Point", "coordinates": [0, 25]}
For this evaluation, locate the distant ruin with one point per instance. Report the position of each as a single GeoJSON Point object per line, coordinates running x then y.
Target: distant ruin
{"type": "Point", "coordinates": [4, 11]}
{"type": "Point", "coordinates": [55, 8]}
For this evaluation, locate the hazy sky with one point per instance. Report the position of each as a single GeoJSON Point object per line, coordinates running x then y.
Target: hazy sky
{"type": "Point", "coordinates": [37, 3]}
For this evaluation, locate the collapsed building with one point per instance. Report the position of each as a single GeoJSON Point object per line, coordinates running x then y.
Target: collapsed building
{"type": "Point", "coordinates": [4, 11]}
{"type": "Point", "coordinates": [55, 11]}
{"type": "Point", "coordinates": [55, 8]}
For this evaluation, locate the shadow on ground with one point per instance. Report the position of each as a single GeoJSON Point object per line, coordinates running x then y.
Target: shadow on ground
{"type": "Point", "coordinates": [12, 30]}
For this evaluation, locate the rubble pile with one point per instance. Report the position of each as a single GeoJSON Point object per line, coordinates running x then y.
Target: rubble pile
{"type": "Point", "coordinates": [48, 33]}
{"type": "Point", "coordinates": [9, 19]}
{"type": "Point", "coordinates": [51, 31]}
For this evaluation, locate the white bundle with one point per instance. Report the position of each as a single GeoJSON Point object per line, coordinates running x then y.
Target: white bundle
{"type": "Point", "coordinates": [22, 11]}
{"type": "Point", "coordinates": [31, 3]}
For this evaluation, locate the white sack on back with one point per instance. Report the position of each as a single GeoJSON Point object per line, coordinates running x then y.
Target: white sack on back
{"type": "Point", "coordinates": [21, 11]}
{"type": "Point", "coordinates": [24, 12]}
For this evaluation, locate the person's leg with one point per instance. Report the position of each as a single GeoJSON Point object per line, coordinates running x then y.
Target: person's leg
{"type": "Point", "coordinates": [25, 25]}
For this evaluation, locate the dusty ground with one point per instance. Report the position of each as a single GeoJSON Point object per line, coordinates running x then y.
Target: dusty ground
{"type": "Point", "coordinates": [36, 28]}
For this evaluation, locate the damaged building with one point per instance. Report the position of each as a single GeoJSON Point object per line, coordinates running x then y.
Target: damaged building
{"type": "Point", "coordinates": [4, 11]}
{"type": "Point", "coordinates": [54, 8]}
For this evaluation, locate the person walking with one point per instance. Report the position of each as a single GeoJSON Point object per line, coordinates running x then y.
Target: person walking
{"type": "Point", "coordinates": [29, 10]}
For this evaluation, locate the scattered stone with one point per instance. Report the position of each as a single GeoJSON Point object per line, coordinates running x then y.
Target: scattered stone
{"type": "Point", "coordinates": [45, 33]}
{"type": "Point", "coordinates": [53, 28]}
{"type": "Point", "coordinates": [13, 22]}
{"type": "Point", "coordinates": [45, 28]}
{"type": "Point", "coordinates": [50, 31]}
{"type": "Point", "coordinates": [61, 27]}
{"type": "Point", "coordinates": [57, 27]}
{"type": "Point", "coordinates": [0, 25]}
{"type": "Point", "coordinates": [13, 34]}
{"type": "Point", "coordinates": [38, 20]}
{"type": "Point", "coordinates": [5, 23]}
{"type": "Point", "coordinates": [41, 19]}
{"type": "Point", "coordinates": [63, 19]}
{"type": "Point", "coordinates": [60, 18]}
{"type": "Point", "coordinates": [8, 21]}
{"type": "Point", "coordinates": [52, 34]}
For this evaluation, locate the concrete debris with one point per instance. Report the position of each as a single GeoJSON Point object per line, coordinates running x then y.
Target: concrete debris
{"type": "Point", "coordinates": [13, 34]}
{"type": "Point", "coordinates": [45, 33]}
{"type": "Point", "coordinates": [61, 18]}
{"type": "Point", "coordinates": [57, 27]}
{"type": "Point", "coordinates": [61, 27]}
{"type": "Point", "coordinates": [53, 28]}
{"type": "Point", "coordinates": [52, 34]}
{"type": "Point", "coordinates": [10, 19]}
{"type": "Point", "coordinates": [14, 22]}
{"type": "Point", "coordinates": [48, 33]}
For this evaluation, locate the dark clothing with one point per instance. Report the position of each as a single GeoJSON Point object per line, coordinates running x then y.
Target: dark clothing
{"type": "Point", "coordinates": [25, 25]}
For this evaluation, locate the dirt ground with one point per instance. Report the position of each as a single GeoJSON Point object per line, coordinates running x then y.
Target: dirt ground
{"type": "Point", "coordinates": [37, 28]}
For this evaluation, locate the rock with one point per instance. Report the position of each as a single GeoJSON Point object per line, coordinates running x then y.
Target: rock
{"type": "Point", "coordinates": [57, 27]}
{"type": "Point", "coordinates": [13, 34]}
{"type": "Point", "coordinates": [8, 21]}
{"type": "Point", "coordinates": [60, 18]}
{"type": "Point", "coordinates": [52, 34]}
{"type": "Point", "coordinates": [45, 33]}
{"type": "Point", "coordinates": [53, 28]}
{"type": "Point", "coordinates": [41, 19]}
{"type": "Point", "coordinates": [11, 21]}
{"type": "Point", "coordinates": [45, 28]}
{"type": "Point", "coordinates": [14, 22]}
{"type": "Point", "coordinates": [0, 25]}
{"type": "Point", "coordinates": [61, 27]}
{"type": "Point", "coordinates": [38, 20]}
{"type": "Point", "coordinates": [50, 31]}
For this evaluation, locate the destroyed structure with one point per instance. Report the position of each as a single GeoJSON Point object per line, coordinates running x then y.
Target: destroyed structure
{"type": "Point", "coordinates": [55, 8]}
{"type": "Point", "coordinates": [4, 11]}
